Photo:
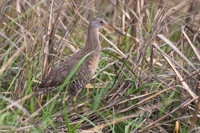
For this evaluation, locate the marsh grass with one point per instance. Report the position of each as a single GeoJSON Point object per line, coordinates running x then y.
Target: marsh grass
{"type": "Point", "coordinates": [146, 81]}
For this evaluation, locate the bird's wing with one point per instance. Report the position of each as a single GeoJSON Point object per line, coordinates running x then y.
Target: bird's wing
{"type": "Point", "coordinates": [57, 75]}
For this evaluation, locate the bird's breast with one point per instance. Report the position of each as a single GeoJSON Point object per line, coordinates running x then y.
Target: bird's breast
{"type": "Point", "coordinates": [93, 62]}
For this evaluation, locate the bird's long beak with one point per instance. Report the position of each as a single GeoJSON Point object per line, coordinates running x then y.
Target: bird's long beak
{"type": "Point", "coordinates": [109, 26]}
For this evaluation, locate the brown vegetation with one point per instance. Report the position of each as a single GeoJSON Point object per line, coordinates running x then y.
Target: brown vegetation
{"type": "Point", "coordinates": [146, 81]}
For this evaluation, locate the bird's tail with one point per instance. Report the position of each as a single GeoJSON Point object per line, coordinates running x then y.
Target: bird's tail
{"type": "Point", "coordinates": [40, 91]}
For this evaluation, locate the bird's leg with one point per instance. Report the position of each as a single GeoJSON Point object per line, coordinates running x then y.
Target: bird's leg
{"type": "Point", "coordinates": [88, 86]}
{"type": "Point", "coordinates": [87, 96]}
{"type": "Point", "coordinates": [40, 99]}
{"type": "Point", "coordinates": [75, 95]}
{"type": "Point", "coordinates": [74, 101]}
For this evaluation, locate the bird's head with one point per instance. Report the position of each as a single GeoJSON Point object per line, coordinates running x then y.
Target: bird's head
{"type": "Point", "coordinates": [100, 23]}
{"type": "Point", "coordinates": [97, 23]}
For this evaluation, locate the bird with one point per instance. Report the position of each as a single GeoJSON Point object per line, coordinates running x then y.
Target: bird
{"type": "Point", "coordinates": [86, 70]}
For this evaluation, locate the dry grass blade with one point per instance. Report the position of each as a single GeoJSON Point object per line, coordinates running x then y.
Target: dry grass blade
{"type": "Point", "coordinates": [145, 100]}
{"type": "Point", "coordinates": [47, 47]}
{"type": "Point", "coordinates": [70, 47]}
{"type": "Point", "coordinates": [113, 122]}
{"type": "Point", "coordinates": [194, 116]}
{"type": "Point", "coordinates": [16, 103]}
{"type": "Point", "coordinates": [41, 108]}
{"type": "Point", "coordinates": [6, 65]}
{"type": "Point", "coordinates": [119, 51]}
{"type": "Point", "coordinates": [178, 7]}
{"type": "Point", "coordinates": [193, 47]}
{"type": "Point", "coordinates": [176, 49]}
{"type": "Point", "coordinates": [179, 107]}
{"type": "Point", "coordinates": [186, 87]}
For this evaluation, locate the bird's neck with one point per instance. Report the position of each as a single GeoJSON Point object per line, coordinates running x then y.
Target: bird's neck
{"type": "Point", "coordinates": [93, 43]}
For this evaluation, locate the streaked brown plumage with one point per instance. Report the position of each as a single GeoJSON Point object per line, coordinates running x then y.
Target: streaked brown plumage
{"type": "Point", "coordinates": [87, 69]}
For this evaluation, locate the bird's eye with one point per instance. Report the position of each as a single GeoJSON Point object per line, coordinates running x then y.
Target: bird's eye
{"type": "Point", "coordinates": [101, 22]}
